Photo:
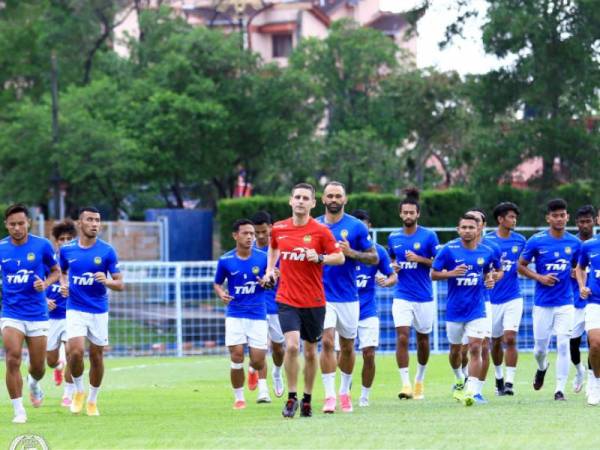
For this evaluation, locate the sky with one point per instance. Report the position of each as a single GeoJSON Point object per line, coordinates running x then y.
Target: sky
{"type": "Point", "coordinates": [463, 55]}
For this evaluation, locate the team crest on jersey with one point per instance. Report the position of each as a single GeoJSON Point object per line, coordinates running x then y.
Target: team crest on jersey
{"type": "Point", "coordinates": [568, 250]}
{"type": "Point", "coordinates": [556, 254]}
{"type": "Point", "coordinates": [480, 261]}
{"type": "Point", "coordinates": [515, 249]}
{"type": "Point", "coordinates": [97, 260]}
{"type": "Point", "coordinates": [307, 238]}
{"type": "Point", "coordinates": [255, 270]}
{"type": "Point", "coordinates": [417, 245]}
{"type": "Point", "coordinates": [344, 234]}
{"type": "Point", "coordinates": [30, 256]}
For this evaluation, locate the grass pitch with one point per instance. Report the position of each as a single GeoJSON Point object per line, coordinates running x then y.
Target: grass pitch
{"type": "Point", "coordinates": [186, 403]}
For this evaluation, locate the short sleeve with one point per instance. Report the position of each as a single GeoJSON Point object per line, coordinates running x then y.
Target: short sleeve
{"type": "Point", "coordinates": [112, 262]}
{"type": "Point", "coordinates": [391, 247]}
{"type": "Point", "coordinates": [330, 245]}
{"type": "Point", "coordinates": [439, 262]}
{"type": "Point", "coordinates": [576, 254]}
{"type": "Point", "coordinates": [63, 261]}
{"type": "Point", "coordinates": [530, 250]}
{"type": "Point", "coordinates": [385, 264]}
{"type": "Point", "coordinates": [48, 256]}
{"type": "Point", "coordinates": [221, 272]}
{"type": "Point", "coordinates": [273, 243]}
{"type": "Point", "coordinates": [432, 244]}
{"type": "Point", "coordinates": [363, 239]}
{"type": "Point", "coordinates": [584, 259]}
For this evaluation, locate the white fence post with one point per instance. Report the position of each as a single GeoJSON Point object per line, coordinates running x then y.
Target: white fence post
{"type": "Point", "coordinates": [179, 309]}
{"type": "Point", "coordinates": [436, 331]}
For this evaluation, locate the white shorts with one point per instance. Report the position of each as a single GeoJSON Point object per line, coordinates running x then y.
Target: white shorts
{"type": "Point", "coordinates": [30, 328]}
{"type": "Point", "coordinates": [549, 320]}
{"type": "Point", "coordinates": [368, 332]}
{"type": "Point", "coordinates": [457, 331]}
{"type": "Point", "coordinates": [240, 331]}
{"type": "Point", "coordinates": [57, 334]}
{"type": "Point", "coordinates": [578, 323]}
{"type": "Point", "coordinates": [90, 325]}
{"type": "Point", "coordinates": [506, 317]}
{"type": "Point", "coordinates": [592, 316]}
{"type": "Point", "coordinates": [487, 324]}
{"type": "Point", "coordinates": [275, 333]}
{"type": "Point", "coordinates": [343, 316]}
{"type": "Point", "coordinates": [418, 315]}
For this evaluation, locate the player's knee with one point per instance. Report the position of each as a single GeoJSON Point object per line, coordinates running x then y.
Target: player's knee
{"type": "Point", "coordinates": [402, 340]}
{"type": "Point", "coordinates": [369, 356]}
{"type": "Point", "coordinates": [310, 353]}
{"type": "Point", "coordinates": [13, 360]}
{"type": "Point", "coordinates": [562, 345]}
{"type": "Point", "coordinates": [327, 344]}
{"type": "Point", "coordinates": [475, 349]}
{"type": "Point", "coordinates": [292, 348]}
{"type": "Point", "coordinates": [595, 346]}
{"type": "Point", "coordinates": [510, 341]}
{"type": "Point", "coordinates": [37, 371]}
{"type": "Point", "coordinates": [76, 354]}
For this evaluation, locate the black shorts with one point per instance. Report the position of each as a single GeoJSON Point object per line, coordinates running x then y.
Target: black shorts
{"type": "Point", "coordinates": [308, 321]}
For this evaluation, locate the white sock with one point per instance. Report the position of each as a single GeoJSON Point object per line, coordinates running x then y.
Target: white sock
{"type": "Point", "coordinates": [499, 374]}
{"type": "Point", "coordinates": [251, 369]}
{"type": "Point", "coordinates": [472, 384]}
{"type": "Point", "coordinates": [364, 392]}
{"type": "Point", "coordinates": [480, 386]}
{"type": "Point", "coordinates": [346, 382]}
{"type": "Point", "coordinates": [18, 405]}
{"type": "Point", "coordinates": [93, 395]}
{"type": "Point", "coordinates": [580, 369]}
{"type": "Point", "coordinates": [465, 371]}
{"type": "Point", "coordinates": [276, 371]}
{"type": "Point", "coordinates": [420, 376]}
{"type": "Point", "coordinates": [540, 353]}
{"type": "Point", "coordinates": [404, 376]}
{"type": "Point", "coordinates": [563, 358]}
{"type": "Point", "coordinates": [458, 373]}
{"type": "Point", "coordinates": [32, 382]}
{"type": "Point", "coordinates": [239, 394]}
{"type": "Point", "coordinates": [69, 389]}
{"type": "Point", "coordinates": [329, 384]}
{"type": "Point", "coordinates": [262, 385]}
{"type": "Point", "coordinates": [510, 374]}
{"type": "Point", "coordinates": [78, 381]}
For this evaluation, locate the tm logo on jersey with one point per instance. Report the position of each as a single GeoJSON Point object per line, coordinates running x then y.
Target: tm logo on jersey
{"type": "Point", "coordinates": [559, 266]}
{"type": "Point", "coordinates": [471, 279]}
{"type": "Point", "coordinates": [86, 279]}
{"type": "Point", "coordinates": [297, 254]}
{"type": "Point", "coordinates": [246, 289]}
{"type": "Point", "coordinates": [407, 264]}
{"type": "Point", "coordinates": [21, 277]}
{"type": "Point", "coordinates": [507, 264]}
{"type": "Point", "coordinates": [361, 281]}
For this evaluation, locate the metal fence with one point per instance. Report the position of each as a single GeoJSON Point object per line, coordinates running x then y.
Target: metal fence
{"type": "Point", "coordinates": [170, 309]}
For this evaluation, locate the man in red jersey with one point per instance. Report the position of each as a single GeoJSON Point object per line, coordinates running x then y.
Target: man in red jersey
{"type": "Point", "coordinates": [302, 246]}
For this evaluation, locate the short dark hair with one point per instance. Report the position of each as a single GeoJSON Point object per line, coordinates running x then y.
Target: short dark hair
{"type": "Point", "coordinates": [479, 210]}
{"type": "Point", "coordinates": [361, 214]}
{"type": "Point", "coordinates": [308, 186]}
{"type": "Point", "coordinates": [585, 211]}
{"type": "Point", "coordinates": [411, 197]}
{"type": "Point", "coordinates": [334, 183]}
{"type": "Point", "coordinates": [262, 217]}
{"type": "Point", "coordinates": [16, 208]}
{"type": "Point", "coordinates": [91, 209]}
{"type": "Point", "coordinates": [556, 204]}
{"type": "Point", "coordinates": [238, 223]}
{"type": "Point", "coordinates": [503, 208]}
{"type": "Point", "coordinates": [467, 216]}
{"type": "Point", "coordinates": [65, 227]}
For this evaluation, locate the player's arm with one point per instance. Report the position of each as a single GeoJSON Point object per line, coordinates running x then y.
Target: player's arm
{"type": "Point", "coordinates": [222, 293]}
{"type": "Point", "coordinates": [41, 285]}
{"type": "Point", "coordinates": [387, 281]}
{"type": "Point", "coordinates": [368, 256]}
{"type": "Point", "coordinates": [458, 271]}
{"type": "Point", "coordinates": [581, 276]}
{"type": "Point", "coordinates": [413, 257]}
{"type": "Point", "coordinates": [114, 283]}
{"type": "Point", "coordinates": [547, 280]}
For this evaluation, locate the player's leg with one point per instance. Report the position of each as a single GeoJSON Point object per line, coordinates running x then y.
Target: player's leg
{"type": "Point", "coordinates": [98, 337]}
{"type": "Point", "coordinates": [542, 329]}
{"type": "Point", "coordinates": [403, 315]}
{"type": "Point", "coordinates": [277, 353]}
{"type": "Point", "coordinates": [69, 387]}
{"type": "Point", "coordinates": [290, 321]}
{"type": "Point", "coordinates": [312, 321]}
{"type": "Point", "coordinates": [423, 323]}
{"type": "Point", "coordinates": [13, 339]}
{"type": "Point", "coordinates": [464, 357]}
{"type": "Point", "coordinates": [574, 344]}
{"type": "Point", "coordinates": [347, 327]}
{"type": "Point", "coordinates": [327, 358]}
{"type": "Point", "coordinates": [485, 348]}
{"type": "Point", "coordinates": [511, 322]}
{"type": "Point", "coordinates": [53, 356]}
{"type": "Point", "coordinates": [563, 328]}
{"type": "Point", "coordinates": [257, 332]}
{"type": "Point", "coordinates": [474, 384]}
{"type": "Point", "coordinates": [77, 330]}
{"type": "Point", "coordinates": [236, 374]}
{"type": "Point", "coordinates": [36, 346]}
{"type": "Point", "coordinates": [455, 332]}
{"type": "Point", "coordinates": [592, 326]}
{"type": "Point", "coordinates": [497, 351]}
{"type": "Point", "coordinates": [368, 341]}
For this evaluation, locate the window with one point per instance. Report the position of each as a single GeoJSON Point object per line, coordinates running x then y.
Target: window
{"type": "Point", "coordinates": [282, 45]}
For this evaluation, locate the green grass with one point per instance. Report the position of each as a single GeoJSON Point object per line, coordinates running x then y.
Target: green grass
{"type": "Point", "coordinates": [186, 403]}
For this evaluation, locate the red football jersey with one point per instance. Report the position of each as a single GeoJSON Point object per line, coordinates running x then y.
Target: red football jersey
{"type": "Point", "coordinates": [301, 282]}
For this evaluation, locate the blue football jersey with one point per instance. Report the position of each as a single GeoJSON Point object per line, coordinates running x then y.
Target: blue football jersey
{"type": "Point", "coordinates": [340, 281]}
{"type": "Point", "coordinates": [270, 294]}
{"type": "Point", "coordinates": [53, 293]}
{"type": "Point", "coordinates": [556, 256]}
{"type": "Point", "coordinates": [20, 265]}
{"type": "Point", "coordinates": [85, 293]}
{"type": "Point", "coordinates": [465, 294]}
{"type": "Point", "coordinates": [365, 282]}
{"type": "Point", "coordinates": [510, 250]}
{"type": "Point", "coordinates": [590, 259]}
{"type": "Point", "coordinates": [242, 283]}
{"type": "Point", "coordinates": [414, 283]}
{"type": "Point", "coordinates": [578, 302]}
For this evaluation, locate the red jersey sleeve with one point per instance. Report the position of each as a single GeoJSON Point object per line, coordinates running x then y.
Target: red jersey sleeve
{"type": "Point", "coordinates": [273, 242]}
{"type": "Point", "coordinates": [330, 245]}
